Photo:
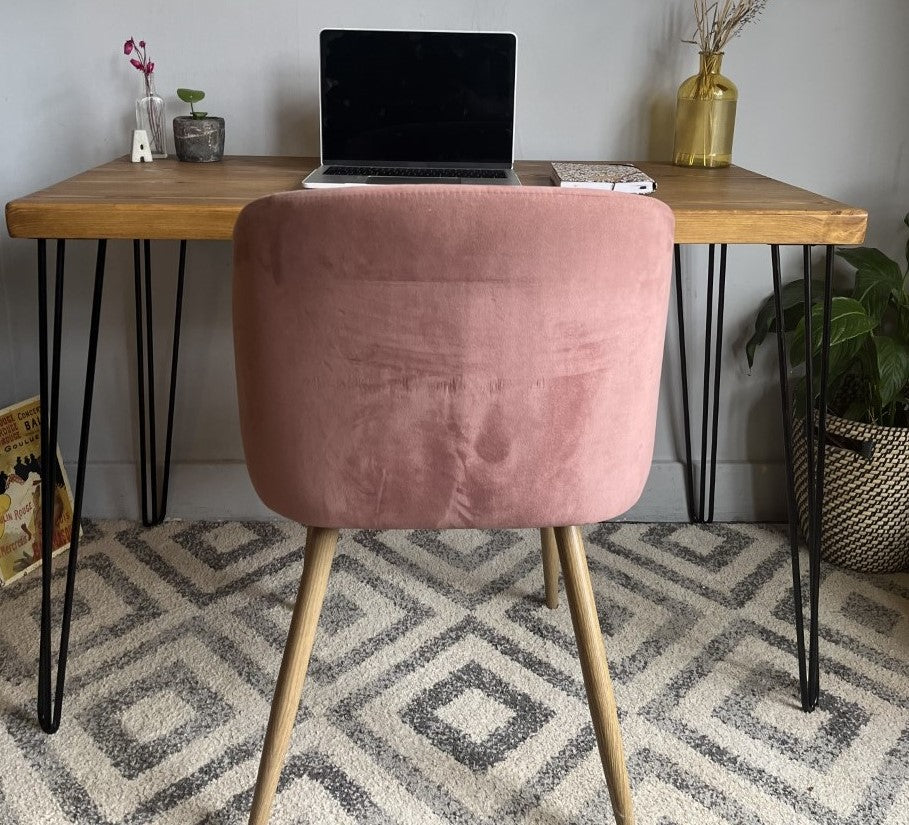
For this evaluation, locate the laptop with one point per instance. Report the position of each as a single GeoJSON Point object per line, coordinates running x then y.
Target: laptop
{"type": "Point", "coordinates": [416, 107]}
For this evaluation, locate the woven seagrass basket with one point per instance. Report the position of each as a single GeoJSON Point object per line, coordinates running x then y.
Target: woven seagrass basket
{"type": "Point", "coordinates": [865, 521]}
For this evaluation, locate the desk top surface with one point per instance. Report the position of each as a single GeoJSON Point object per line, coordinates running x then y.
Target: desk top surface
{"type": "Point", "coordinates": [169, 199]}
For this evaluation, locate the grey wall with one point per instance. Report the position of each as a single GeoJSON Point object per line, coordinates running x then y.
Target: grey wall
{"type": "Point", "coordinates": [823, 104]}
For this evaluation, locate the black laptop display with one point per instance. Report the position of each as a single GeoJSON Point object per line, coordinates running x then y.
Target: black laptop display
{"type": "Point", "coordinates": [405, 103]}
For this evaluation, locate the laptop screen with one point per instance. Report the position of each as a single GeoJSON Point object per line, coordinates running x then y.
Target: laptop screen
{"type": "Point", "coordinates": [417, 97]}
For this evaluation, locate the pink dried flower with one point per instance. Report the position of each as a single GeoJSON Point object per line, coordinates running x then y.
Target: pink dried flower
{"type": "Point", "coordinates": [140, 61]}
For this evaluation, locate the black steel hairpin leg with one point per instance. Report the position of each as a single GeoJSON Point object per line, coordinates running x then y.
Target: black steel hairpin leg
{"type": "Point", "coordinates": [700, 510]}
{"type": "Point", "coordinates": [50, 704]}
{"type": "Point", "coordinates": [683, 361]}
{"type": "Point", "coordinates": [154, 506]}
{"type": "Point", "coordinates": [809, 678]}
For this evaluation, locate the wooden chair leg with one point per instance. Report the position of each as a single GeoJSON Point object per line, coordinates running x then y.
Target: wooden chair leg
{"type": "Point", "coordinates": [550, 566]}
{"type": "Point", "coordinates": [317, 558]}
{"type": "Point", "coordinates": [596, 671]}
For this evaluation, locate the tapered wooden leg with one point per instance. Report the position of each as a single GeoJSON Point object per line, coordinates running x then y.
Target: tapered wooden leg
{"type": "Point", "coordinates": [550, 566]}
{"type": "Point", "coordinates": [596, 671]}
{"type": "Point", "coordinates": [317, 558]}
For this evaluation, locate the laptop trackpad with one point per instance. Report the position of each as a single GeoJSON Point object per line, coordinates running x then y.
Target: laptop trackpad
{"type": "Point", "coordinates": [408, 179]}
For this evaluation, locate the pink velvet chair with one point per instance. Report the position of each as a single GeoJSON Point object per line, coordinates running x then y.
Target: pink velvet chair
{"type": "Point", "coordinates": [450, 356]}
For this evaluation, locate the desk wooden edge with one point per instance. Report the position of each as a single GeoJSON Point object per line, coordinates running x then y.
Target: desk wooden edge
{"type": "Point", "coordinates": [26, 219]}
{"type": "Point", "coordinates": [841, 227]}
{"type": "Point", "coordinates": [81, 220]}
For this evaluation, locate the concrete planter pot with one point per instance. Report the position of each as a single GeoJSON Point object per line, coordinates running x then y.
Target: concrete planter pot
{"type": "Point", "coordinates": [199, 140]}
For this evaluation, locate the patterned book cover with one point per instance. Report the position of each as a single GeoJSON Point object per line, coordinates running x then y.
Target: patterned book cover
{"type": "Point", "coordinates": [620, 176]}
{"type": "Point", "coordinates": [20, 493]}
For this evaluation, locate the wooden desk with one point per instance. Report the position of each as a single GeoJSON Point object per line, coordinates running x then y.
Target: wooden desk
{"type": "Point", "coordinates": [171, 200]}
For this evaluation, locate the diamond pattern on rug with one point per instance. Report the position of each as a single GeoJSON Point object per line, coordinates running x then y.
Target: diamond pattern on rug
{"type": "Point", "coordinates": [474, 714]}
{"type": "Point", "coordinates": [730, 573]}
{"type": "Point", "coordinates": [442, 690]}
{"type": "Point", "coordinates": [383, 720]}
{"type": "Point", "coordinates": [173, 686]}
{"type": "Point", "coordinates": [870, 613]}
{"type": "Point", "coordinates": [758, 710]}
{"type": "Point", "coordinates": [501, 716]}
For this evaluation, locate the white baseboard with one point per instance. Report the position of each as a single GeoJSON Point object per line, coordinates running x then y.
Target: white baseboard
{"type": "Point", "coordinates": [744, 492]}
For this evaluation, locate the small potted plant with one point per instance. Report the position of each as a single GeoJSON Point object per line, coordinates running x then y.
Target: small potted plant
{"type": "Point", "coordinates": [864, 523]}
{"type": "Point", "coordinates": [197, 137]}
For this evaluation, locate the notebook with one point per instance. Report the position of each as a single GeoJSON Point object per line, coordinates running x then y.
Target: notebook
{"type": "Point", "coordinates": [416, 107]}
{"type": "Point", "coordinates": [622, 177]}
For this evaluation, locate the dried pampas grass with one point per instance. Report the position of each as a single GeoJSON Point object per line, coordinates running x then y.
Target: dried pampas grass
{"type": "Point", "coordinates": [721, 20]}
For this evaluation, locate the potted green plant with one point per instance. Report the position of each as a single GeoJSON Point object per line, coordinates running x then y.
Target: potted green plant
{"type": "Point", "coordinates": [865, 519]}
{"type": "Point", "coordinates": [197, 137]}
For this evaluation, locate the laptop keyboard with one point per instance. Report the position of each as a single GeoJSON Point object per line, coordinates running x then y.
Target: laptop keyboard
{"type": "Point", "coordinates": [411, 172]}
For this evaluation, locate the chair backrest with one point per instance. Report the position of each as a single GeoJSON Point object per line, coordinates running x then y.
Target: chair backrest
{"type": "Point", "coordinates": [450, 356]}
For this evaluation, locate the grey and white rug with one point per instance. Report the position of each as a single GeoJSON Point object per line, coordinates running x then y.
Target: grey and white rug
{"type": "Point", "coordinates": [443, 691]}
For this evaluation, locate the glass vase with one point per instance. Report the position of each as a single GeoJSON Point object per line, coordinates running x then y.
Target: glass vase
{"type": "Point", "coordinates": [705, 116]}
{"type": "Point", "coordinates": [150, 117]}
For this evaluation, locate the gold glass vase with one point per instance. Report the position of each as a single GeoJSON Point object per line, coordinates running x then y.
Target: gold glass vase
{"type": "Point", "coordinates": [705, 116]}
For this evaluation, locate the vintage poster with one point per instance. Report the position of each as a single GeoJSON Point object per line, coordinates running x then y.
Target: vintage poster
{"type": "Point", "coordinates": [21, 488]}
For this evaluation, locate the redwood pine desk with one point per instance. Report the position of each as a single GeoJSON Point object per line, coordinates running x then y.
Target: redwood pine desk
{"type": "Point", "coordinates": [184, 201]}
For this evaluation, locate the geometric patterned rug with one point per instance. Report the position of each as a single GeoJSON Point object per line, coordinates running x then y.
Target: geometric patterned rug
{"type": "Point", "coordinates": [442, 690]}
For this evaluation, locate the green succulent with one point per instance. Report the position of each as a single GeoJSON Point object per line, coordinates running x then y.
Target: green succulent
{"type": "Point", "coordinates": [191, 96]}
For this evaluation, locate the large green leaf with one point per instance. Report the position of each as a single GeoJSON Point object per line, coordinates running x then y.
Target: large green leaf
{"type": "Point", "coordinates": [848, 319]}
{"type": "Point", "coordinates": [874, 261]}
{"type": "Point", "coordinates": [190, 95]}
{"type": "Point", "coordinates": [842, 358]}
{"type": "Point", "coordinates": [873, 293]}
{"type": "Point", "coordinates": [892, 367]}
{"type": "Point", "coordinates": [792, 301]}
{"type": "Point", "coordinates": [902, 321]}
{"type": "Point", "coordinates": [876, 279]}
